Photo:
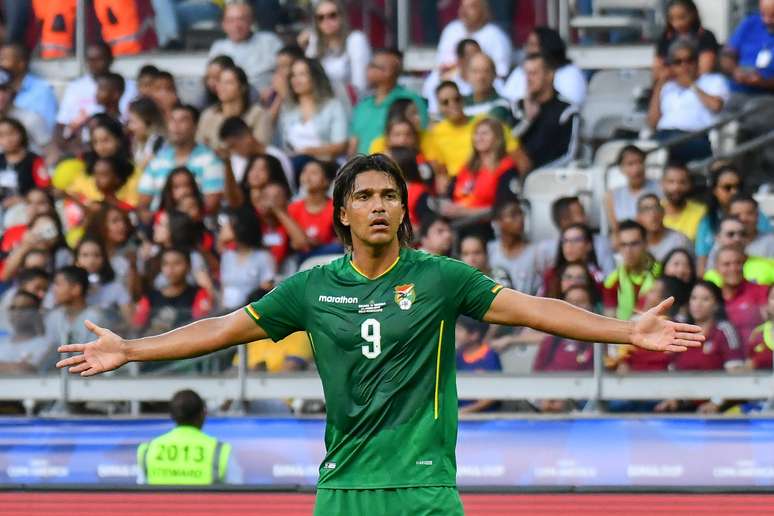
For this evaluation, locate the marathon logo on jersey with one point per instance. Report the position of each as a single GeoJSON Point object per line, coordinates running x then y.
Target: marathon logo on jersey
{"type": "Point", "coordinates": [405, 295]}
{"type": "Point", "coordinates": [340, 300]}
{"type": "Point", "coordinates": [329, 465]}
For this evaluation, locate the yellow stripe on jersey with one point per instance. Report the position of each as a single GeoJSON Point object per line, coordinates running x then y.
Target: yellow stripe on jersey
{"type": "Point", "coordinates": [252, 313]}
{"type": "Point", "coordinates": [380, 275]}
{"type": "Point", "coordinates": [438, 371]}
{"type": "Point", "coordinates": [496, 289]}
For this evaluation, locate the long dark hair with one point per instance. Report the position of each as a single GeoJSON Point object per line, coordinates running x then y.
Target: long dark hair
{"type": "Point", "coordinates": [106, 272]}
{"type": "Point", "coordinates": [321, 85]}
{"type": "Point", "coordinates": [688, 5]}
{"type": "Point", "coordinates": [344, 185]}
{"type": "Point", "coordinates": [552, 46]}
{"type": "Point", "coordinates": [244, 85]}
{"type": "Point", "coordinates": [96, 224]}
{"type": "Point", "coordinates": [114, 127]}
{"type": "Point", "coordinates": [276, 173]}
{"type": "Point", "coordinates": [19, 128]}
{"type": "Point", "coordinates": [720, 312]}
{"type": "Point", "coordinates": [687, 254]}
{"type": "Point", "coordinates": [554, 286]}
{"type": "Point", "coordinates": [167, 202]}
{"type": "Point", "coordinates": [714, 210]}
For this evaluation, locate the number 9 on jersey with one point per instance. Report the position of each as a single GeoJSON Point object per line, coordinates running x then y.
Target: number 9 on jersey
{"type": "Point", "coordinates": [371, 332]}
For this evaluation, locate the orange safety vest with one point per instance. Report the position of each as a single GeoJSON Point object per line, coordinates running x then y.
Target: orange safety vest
{"type": "Point", "coordinates": [127, 25]}
{"type": "Point", "coordinates": [58, 26]}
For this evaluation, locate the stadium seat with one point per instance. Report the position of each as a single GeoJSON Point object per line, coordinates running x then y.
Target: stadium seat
{"type": "Point", "coordinates": [612, 102]}
{"type": "Point", "coordinates": [603, 20]}
{"type": "Point", "coordinates": [543, 187]}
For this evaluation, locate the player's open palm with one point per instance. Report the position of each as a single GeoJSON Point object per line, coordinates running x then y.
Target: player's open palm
{"type": "Point", "coordinates": [104, 354]}
{"type": "Point", "coordinates": [655, 332]}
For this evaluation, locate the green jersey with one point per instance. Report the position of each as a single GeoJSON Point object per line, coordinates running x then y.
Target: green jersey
{"type": "Point", "coordinates": [384, 348]}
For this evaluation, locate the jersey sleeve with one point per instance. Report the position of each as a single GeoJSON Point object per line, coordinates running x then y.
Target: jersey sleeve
{"type": "Point", "coordinates": [282, 311]}
{"type": "Point", "coordinates": [471, 291]}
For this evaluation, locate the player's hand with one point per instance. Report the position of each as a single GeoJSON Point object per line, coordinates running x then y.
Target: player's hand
{"type": "Point", "coordinates": [106, 353]}
{"type": "Point", "coordinates": [653, 331]}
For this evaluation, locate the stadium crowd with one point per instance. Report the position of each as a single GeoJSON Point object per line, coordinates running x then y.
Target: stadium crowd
{"type": "Point", "coordinates": [125, 206]}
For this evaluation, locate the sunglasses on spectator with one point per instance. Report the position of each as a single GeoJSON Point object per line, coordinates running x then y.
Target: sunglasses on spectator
{"type": "Point", "coordinates": [735, 234]}
{"type": "Point", "coordinates": [580, 278]}
{"type": "Point", "coordinates": [729, 187]}
{"type": "Point", "coordinates": [456, 100]}
{"type": "Point", "coordinates": [327, 16]}
{"type": "Point", "coordinates": [649, 207]}
{"type": "Point", "coordinates": [574, 240]}
{"type": "Point", "coordinates": [680, 62]}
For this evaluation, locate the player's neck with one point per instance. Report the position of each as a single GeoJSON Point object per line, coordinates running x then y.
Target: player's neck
{"type": "Point", "coordinates": [373, 261]}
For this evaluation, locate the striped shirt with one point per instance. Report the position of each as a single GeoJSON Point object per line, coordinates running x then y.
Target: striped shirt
{"type": "Point", "coordinates": [206, 167]}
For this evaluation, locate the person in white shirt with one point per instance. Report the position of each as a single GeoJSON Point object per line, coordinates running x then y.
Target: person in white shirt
{"type": "Point", "coordinates": [343, 53]}
{"type": "Point", "coordinates": [569, 80]}
{"type": "Point", "coordinates": [255, 52]}
{"type": "Point", "coordinates": [79, 101]}
{"type": "Point", "coordinates": [687, 102]}
{"type": "Point", "coordinates": [474, 22]}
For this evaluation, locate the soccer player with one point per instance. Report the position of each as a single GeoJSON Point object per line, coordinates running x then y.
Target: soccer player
{"type": "Point", "coordinates": [381, 323]}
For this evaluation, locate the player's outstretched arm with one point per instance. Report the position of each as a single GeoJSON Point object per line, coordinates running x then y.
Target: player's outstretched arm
{"type": "Point", "coordinates": [651, 331]}
{"type": "Point", "coordinates": [109, 351]}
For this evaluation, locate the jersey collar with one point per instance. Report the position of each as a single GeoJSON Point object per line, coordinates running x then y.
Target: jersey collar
{"type": "Point", "coordinates": [359, 272]}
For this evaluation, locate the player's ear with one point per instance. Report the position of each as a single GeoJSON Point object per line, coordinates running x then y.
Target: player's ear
{"type": "Point", "coordinates": [343, 217]}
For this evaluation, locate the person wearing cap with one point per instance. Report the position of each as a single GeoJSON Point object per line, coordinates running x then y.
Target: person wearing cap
{"type": "Point", "coordinates": [185, 455]}
{"type": "Point", "coordinates": [33, 93]}
{"type": "Point", "coordinates": [37, 130]}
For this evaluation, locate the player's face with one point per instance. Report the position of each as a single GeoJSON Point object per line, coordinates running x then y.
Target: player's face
{"type": "Point", "coordinates": [374, 210]}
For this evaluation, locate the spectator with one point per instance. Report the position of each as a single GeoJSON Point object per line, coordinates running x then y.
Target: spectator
{"type": "Point", "coordinates": [546, 124]}
{"type": "Point", "coordinates": [111, 174]}
{"type": "Point", "coordinates": [370, 114]}
{"type": "Point", "coordinates": [112, 226]}
{"type": "Point", "coordinates": [244, 265]}
{"type": "Point", "coordinates": [661, 240]}
{"type": "Point", "coordinates": [575, 246]}
{"type": "Point", "coordinates": [569, 80]}
{"type": "Point", "coordinates": [745, 208]}
{"type": "Point", "coordinates": [621, 202]}
{"type": "Point", "coordinates": [34, 124]}
{"type": "Point", "coordinates": [37, 201]}
{"type": "Point", "coordinates": [747, 57]}
{"type": "Point", "coordinates": [79, 100]}
{"type": "Point", "coordinates": [174, 17]}
{"type": "Point", "coordinates": [566, 211]}
{"type": "Point", "coordinates": [683, 21]}
{"type": "Point", "coordinates": [262, 169]}
{"type": "Point", "coordinates": [458, 74]}
{"type": "Point", "coordinates": [211, 461]}
{"type": "Point", "coordinates": [625, 287]}
{"type": "Point", "coordinates": [725, 182]}
{"type": "Point", "coordinates": [180, 183]}
{"type": "Point", "coordinates": [473, 354]}
{"type": "Point", "coordinates": [312, 123]}
{"type": "Point", "coordinates": [759, 347]}
{"type": "Point", "coordinates": [436, 236]}
{"type": "Point", "coordinates": [32, 280]}
{"type": "Point", "coordinates": [177, 301]}
{"type": "Point", "coordinates": [110, 87]}
{"type": "Point", "coordinates": [66, 322]}
{"type": "Point", "coordinates": [473, 251]}
{"type": "Point", "coordinates": [343, 53]}
{"type": "Point", "coordinates": [680, 213]}
{"type": "Point", "coordinates": [105, 291]}
{"type": "Point", "coordinates": [404, 110]}
{"type": "Point", "coordinates": [484, 99]}
{"type": "Point", "coordinates": [210, 80]}
{"type": "Point", "coordinates": [274, 95]}
{"type": "Point", "coordinates": [280, 231]}
{"type": "Point", "coordinates": [33, 94]}
{"type": "Point", "coordinates": [453, 135]}
{"type": "Point", "coordinates": [679, 263]}
{"type": "Point", "coordinates": [182, 149]}
{"type": "Point", "coordinates": [233, 100]}
{"type": "Point", "coordinates": [20, 169]}
{"type": "Point", "coordinates": [511, 251]}
{"type": "Point", "coordinates": [145, 77]}
{"type": "Point", "coordinates": [253, 52]}
{"type": "Point", "coordinates": [418, 189]}
{"type": "Point", "coordinates": [244, 148]}
{"type": "Point", "coordinates": [44, 233]}
{"type": "Point", "coordinates": [164, 93]}
{"type": "Point", "coordinates": [26, 348]}
{"type": "Point", "coordinates": [474, 23]}
{"type": "Point", "coordinates": [147, 128]}
{"type": "Point", "coordinates": [314, 213]}
{"type": "Point", "coordinates": [745, 301]}
{"type": "Point", "coordinates": [574, 274]}
{"type": "Point", "coordinates": [686, 101]}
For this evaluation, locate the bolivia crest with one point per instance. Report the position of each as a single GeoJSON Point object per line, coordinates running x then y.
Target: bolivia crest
{"type": "Point", "coordinates": [405, 296]}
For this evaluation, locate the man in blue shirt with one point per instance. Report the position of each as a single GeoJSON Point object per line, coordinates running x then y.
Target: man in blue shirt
{"type": "Point", "coordinates": [749, 54]}
{"type": "Point", "coordinates": [370, 114]}
{"type": "Point", "coordinates": [32, 92]}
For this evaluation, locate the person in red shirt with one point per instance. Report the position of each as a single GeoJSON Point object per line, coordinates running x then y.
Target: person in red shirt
{"type": "Point", "coordinates": [474, 189]}
{"type": "Point", "coordinates": [20, 169]}
{"type": "Point", "coordinates": [418, 188]}
{"type": "Point", "coordinates": [314, 213]}
{"type": "Point", "coordinates": [721, 351]}
{"type": "Point", "coordinates": [280, 231]}
{"type": "Point", "coordinates": [760, 345]}
{"type": "Point", "coordinates": [745, 301]}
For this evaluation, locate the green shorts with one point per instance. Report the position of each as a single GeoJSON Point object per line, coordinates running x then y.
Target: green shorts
{"type": "Point", "coordinates": [405, 501]}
